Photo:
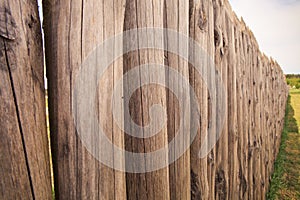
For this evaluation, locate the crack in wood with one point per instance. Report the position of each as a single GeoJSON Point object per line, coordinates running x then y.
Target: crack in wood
{"type": "Point", "coordinates": [19, 119]}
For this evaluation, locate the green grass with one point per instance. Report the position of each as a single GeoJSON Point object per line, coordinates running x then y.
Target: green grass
{"type": "Point", "coordinates": [294, 91]}
{"type": "Point", "coordinates": [295, 101]}
{"type": "Point", "coordinates": [285, 182]}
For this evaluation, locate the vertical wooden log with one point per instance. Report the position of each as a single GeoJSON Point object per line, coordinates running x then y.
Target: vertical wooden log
{"type": "Point", "coordinates": [73, 29]}
{"type": "Point", "coordinates": [262, 141]}
{"type": "Point", "coordinates": [268, 116]}
{"type": "Point", "coordinates": [232, 113]}
{"type": "Point", "coordinates": [176, 18]}
{"type": "Point", "coordinates": [212, 110]}
{"type": "Point", "coordinates": [240, 135]}
{"type": "Point", "coordinates": [239, 85]}
{"type": "Point", "coordinates": [151, 185]}
{"type": "Point", "coordinates": [221, 61]}
{"type": "Point", "coordinates": [257, 130]}
{"type": "Point", "coordinates": [201, 31]}
{"type": "Point", "coordinates": [249, 101]}
{"type": "Point", "coordinates": [245, 91]}
{"type": "Point", "coordinates": [24, 153]}
{"type": "Point", "coordinates": [109, 179]}
{"type": "Point", "coordinates": [253, 142]}
{"type": "Point", "coordinates": [265, 120]}
{"type": "Point", "coordinates": [263, 135]}
{"type": "Point", "coordinates": [273, 129]}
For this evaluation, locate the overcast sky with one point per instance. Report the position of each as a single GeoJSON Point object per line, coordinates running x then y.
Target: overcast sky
{"type": "Point", "coordinates": [276, 26]}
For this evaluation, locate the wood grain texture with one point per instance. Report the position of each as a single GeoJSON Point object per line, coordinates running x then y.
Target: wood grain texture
{"type": "Point", "coordinates": [154, 184]}
{"type": "Point", "coordinates": [72, 30]}
{"type": "Point", "coordinates": [176, 18]}
{"type": "Point", "coordinates": [222, 22]}
{"type": "Point", "coordinates": [201, 31]}
{"type": "Point", "coordinates": [241, 163]}
{"type": "Point", "coordinates": [24, 153]}
{"type": "Point", "coordinates": [254, 84]}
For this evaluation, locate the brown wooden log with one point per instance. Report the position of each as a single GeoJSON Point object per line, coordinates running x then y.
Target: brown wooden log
{"type": "Point", "coordinates": [257, 125]}
{"type": "Point", "coordinates": [244, 174]}
{"type": "Point", "coordinates": [232, 119]}
{"type": "Point", "coordinates": [154, 184]}
{"type": "Point", "coordinates": [24, 153]}
{"type": "Point", "coordinates": [262, 132]}
{"type": "Point", "coordinates": [201, 31]}
{"type": "Point", "coordinates": [265, 147]}
{"type": "Point", "coordinates": [176, 18]}
{"type": "Point", "coordinates": [221, 62]}
{"type": "Point", "coordinates": [73, 29]}
{"type": "Point", "coordinates": [250, 119]}
{"type": "Point", "coordinates": [242, 111]}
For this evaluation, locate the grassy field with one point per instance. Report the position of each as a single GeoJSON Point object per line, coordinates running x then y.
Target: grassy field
{"type": "Point", "coordinates": [285, 183]}
{"type": "Point", "coordinates": [295, 101]}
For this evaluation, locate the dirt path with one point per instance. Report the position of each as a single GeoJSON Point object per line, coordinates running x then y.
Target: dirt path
{"type": "Point", "coordinates": [285, 182]}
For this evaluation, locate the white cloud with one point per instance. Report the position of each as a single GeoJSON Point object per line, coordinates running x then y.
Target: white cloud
{"type": "Point", "coordinates": [276, 26]}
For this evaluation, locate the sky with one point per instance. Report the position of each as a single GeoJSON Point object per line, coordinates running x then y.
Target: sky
{"type": "Point", "coordinates": [276, 26]}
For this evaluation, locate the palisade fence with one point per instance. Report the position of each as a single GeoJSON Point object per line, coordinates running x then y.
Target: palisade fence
{"type": "Point", "coordinates": [148, 99]}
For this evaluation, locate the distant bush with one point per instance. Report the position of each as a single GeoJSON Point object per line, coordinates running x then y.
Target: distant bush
{"type": "Point", "coordinates": [297, 76]}
{"type": "Point", "coordinates": [293, 80]}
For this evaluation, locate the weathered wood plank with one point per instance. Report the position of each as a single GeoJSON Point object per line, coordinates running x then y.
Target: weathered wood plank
{"type": "Point", "coordinates": [176, 18]}
{"type": "Point", "coordinates": [201, 31]}
{"type": "Point", "coordinates": [154, 184]}
{"type": "Point", "coordinates": [24, 168]}
{"type": "Point", "coordinates": [221, 62]}
{"type": "Point", "coordinates": [73, 29]}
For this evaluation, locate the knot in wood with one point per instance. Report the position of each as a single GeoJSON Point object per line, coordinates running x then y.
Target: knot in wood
{"type": "Point", "coordinates": [202, 20]}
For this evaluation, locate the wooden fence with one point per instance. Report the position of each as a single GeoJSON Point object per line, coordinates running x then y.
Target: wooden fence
{"type": "Point", "coordinates": [24, 152]}
{"type": "Point", "coordinates": [238, 167]}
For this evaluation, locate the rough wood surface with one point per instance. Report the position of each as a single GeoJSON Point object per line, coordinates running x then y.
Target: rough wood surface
{"type": "Point", "coordinates": [241, 163]}
{"type": "Point", "coordinates": [176, 18]}
{"type": "Point", "coordinates": [155, 184]}
{"type": "Point", "coordinates": [201, 30]}
{"type": "Point", "coordinates": [24, 153]}
{"type": "Point", "coordinates": [72, 30]}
